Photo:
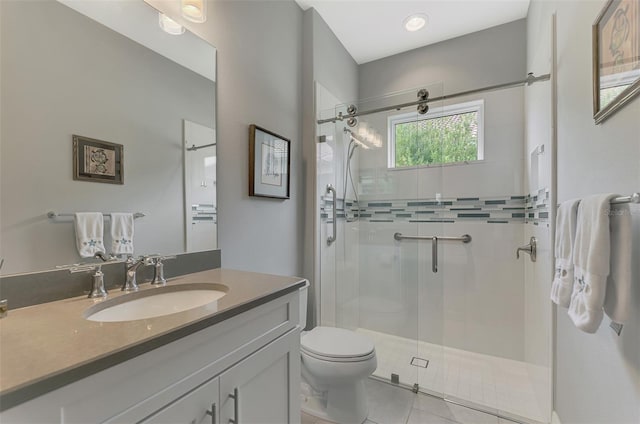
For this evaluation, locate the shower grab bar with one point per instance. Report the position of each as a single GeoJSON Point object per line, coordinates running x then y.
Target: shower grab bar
{"type": "Point", "coordinates": [434, 254]}
{"type": "Point", "coordinates": [466, 238]}
{"type": "Point", "coordinates": [334, 215]}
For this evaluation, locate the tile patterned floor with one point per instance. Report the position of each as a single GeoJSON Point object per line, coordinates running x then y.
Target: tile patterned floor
{"type": "Point", "coordinates": [497, 384]}
{"type": "Point", "coordinates": [393, 405]}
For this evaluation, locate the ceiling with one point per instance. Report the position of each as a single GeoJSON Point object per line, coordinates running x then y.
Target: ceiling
{"type": "Point", "coordinates": [373, 29]}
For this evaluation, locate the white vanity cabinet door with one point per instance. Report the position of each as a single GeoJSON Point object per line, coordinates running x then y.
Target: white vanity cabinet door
{"type": "Point", "coordinates": [264, 388]}
{"type": "Point", "coordinates": [199, 406]}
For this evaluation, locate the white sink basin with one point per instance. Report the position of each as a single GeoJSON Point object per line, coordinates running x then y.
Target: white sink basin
{"type": "Point", "coordinates": [157, 302]}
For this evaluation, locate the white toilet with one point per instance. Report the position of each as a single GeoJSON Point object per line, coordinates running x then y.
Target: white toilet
{"type": "Point", "coordinates": [335, 364]}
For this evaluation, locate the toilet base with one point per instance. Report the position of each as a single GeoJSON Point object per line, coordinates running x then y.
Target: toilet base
{"type": "Point", "coordinates": [346, 404]}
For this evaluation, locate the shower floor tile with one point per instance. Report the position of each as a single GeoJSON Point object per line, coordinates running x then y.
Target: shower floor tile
{"type": "Point", "coordinates": [491, 383]}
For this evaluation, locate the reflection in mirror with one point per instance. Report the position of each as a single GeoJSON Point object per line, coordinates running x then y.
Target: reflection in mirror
{"type": "Point", "coordinates": [200, 186]}
{"type": "Point", "coordinates": [103, 70]}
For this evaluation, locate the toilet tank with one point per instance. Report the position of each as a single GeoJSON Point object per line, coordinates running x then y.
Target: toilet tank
{"type": "Point", "coordinates": [304, 296]}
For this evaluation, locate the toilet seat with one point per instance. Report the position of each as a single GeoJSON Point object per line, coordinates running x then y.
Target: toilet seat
{"type": "Point", "coordinates": [336, 345]}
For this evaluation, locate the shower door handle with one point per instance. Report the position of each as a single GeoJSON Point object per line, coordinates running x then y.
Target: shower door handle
{"type": "Point", "coordinates": [334, 215]}
{"type": "Point", "coordinates": [434, 254]}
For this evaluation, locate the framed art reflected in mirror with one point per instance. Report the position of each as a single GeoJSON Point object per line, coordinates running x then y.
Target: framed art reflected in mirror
{"type": "Point", "coordinates": [98, 161]}
{"type": "Point", "coordinates": [616, 57]}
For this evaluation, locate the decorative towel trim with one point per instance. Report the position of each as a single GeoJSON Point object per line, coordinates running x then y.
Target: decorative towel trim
{"type": "Point", "coordinates": [89, 233]}
{"type": "Point", "coordinates": [122, 232]}
{"type": "Point", "coordinates": [585, 309]}
{"type": "Point", "coordinates": [562, 285]}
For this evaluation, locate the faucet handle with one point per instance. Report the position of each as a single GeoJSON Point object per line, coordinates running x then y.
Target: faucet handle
{"type": "Point", "coordinates": [97, 286]}
{"type": "Point", "coordinates": [158, 271]}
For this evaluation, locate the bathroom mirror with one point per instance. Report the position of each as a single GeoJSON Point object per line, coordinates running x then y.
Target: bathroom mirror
{"type": "Point", "coordinates": [103, 70]}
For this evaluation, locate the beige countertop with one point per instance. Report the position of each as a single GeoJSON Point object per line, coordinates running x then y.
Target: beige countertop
{"type": "Point", "coordinates": [46, 346]}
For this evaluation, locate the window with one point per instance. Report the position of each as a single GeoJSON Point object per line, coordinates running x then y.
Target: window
{"type": "Point", "coordinates": [452, 134]}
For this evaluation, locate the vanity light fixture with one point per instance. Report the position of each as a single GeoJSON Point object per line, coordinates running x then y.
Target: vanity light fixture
{"type": "Point", "coordinates": [169, 25]}
{"type": "Point", "coordinates": [194, 10]}
{"type": "Point", "coordinates": [415, 22]}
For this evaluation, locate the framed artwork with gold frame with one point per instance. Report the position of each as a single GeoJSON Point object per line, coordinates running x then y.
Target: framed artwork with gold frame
{"type": "Point", "coordinates": [616, 57]}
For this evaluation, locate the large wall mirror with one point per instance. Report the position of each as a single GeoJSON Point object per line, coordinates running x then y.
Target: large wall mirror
{"type": "Point", "coordinates": [107, 71]}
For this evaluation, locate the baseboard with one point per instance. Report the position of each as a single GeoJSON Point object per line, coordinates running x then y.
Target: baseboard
{"type": "Point", "coordinates": [555, 419]}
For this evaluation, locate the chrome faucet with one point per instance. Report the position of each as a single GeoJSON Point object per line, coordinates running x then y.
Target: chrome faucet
{"type": "Point", "coordinates": [531, 249]}
{"type": "Point", "coordinates": [158, 272]}
{"type": "Point", "coordinates": [130, 283]}
{"type": "Point", "coordinates": [97, 278]}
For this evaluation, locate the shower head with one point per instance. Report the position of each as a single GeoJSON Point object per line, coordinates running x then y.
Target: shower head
{"type": "Point", "coordinates": [356, 140]}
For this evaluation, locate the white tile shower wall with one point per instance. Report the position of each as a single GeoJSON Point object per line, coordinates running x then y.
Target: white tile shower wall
{"type": "Point", "coordinates": [474, 302]}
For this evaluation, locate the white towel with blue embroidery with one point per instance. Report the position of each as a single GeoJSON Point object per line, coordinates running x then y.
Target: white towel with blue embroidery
{"type": "Point", "coordinates": [592, 258]}
{"type": "Point", "coordinates": [89, 233]}
{"type": "Point", "coordinates": [121, 233]}
{"type": "Point", "coordinates": [566, 221]}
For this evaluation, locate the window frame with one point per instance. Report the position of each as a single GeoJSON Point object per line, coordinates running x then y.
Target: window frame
{"type": "Point", "coordinates": [455, 109]}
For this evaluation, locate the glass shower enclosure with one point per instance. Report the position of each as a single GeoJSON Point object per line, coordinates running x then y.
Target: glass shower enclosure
{"type": "Point", "coordinates": [420, 257]}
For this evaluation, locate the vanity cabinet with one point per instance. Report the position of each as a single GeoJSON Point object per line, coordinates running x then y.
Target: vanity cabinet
{"type": "Point", "coordinates": [245, 369]}
{"type": "Point", "coordinates": [256, 390]}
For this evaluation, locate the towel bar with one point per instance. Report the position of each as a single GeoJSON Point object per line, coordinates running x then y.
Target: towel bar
{"type": "Point", "coordinates": [52, 215]}
{"type": "Point", "coordinates": [634, 198]}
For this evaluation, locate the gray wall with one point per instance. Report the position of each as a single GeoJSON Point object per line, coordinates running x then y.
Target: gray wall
{"type": "Point", "coordinates": [64, 74]}
{"type": "Point", "coordinates": [259, 78]}
{"type": "Point", "coordinates": [492, 56]}
{"type": "Point", "coordinates": [597, 375]}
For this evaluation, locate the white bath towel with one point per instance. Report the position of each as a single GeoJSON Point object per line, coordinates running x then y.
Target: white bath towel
{"type": "Point", "coordinates": [617, 300]}
{"type": "Point", "coordinates": [566, 220]}
{"type": "Point", "coordinates": [89, 233]}
{"type": "Point", "coordinates": [121, 233]}
{"type": "Point", "coordinates": [591, 260]}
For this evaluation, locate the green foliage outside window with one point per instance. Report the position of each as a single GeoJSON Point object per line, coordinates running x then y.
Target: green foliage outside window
{"type": "Point", "coordinates": [447, 139]}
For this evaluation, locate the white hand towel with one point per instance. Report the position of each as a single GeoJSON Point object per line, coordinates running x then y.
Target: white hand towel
{"type": "Point", "coordinates": [591, 257]}
{"type": "Point", "coordinates": [566, 220]}
{"type": "Point", "coordinates": [121, 233]}
{"type": "Point", "coordinates": [89, 233]}
{"type": "Point", "coordinates": [617, 300]}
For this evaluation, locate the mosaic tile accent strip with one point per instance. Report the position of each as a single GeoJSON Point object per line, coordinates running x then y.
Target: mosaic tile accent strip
{"type": "Point", "coordinates": [493, 210]}
{"type": "Point", "coordinates": [537, 207]}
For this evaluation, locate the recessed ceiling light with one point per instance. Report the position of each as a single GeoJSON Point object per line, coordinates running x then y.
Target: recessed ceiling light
{"type": "Point", "coordinates": [415, 22]}
{"type": "Point", "coordinates": [169, 25]}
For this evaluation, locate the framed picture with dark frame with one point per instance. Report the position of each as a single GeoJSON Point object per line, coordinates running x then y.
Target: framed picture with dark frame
{"type": "Point", "coordinates": [616, 57]}
{"type": "Point", "coordinates": [98, 161]}
{"type": "Point", "coordinates": [269, 164]}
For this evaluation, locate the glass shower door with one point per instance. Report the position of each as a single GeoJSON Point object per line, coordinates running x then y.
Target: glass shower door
{"type": "Point", "coordinates": [372, 280]}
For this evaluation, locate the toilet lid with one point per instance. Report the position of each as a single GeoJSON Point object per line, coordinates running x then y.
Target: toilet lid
{"type": "Point", "coordinates": [336, 343]}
